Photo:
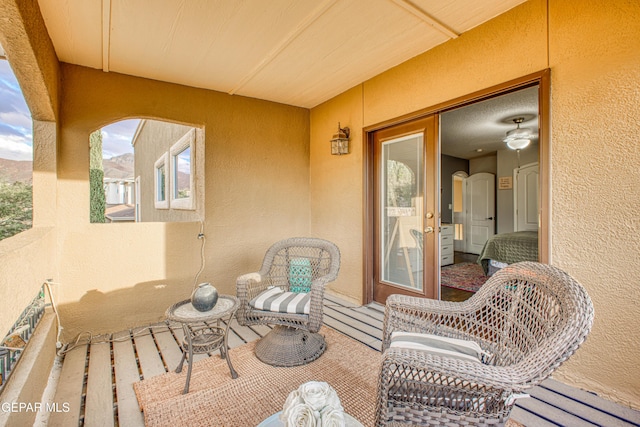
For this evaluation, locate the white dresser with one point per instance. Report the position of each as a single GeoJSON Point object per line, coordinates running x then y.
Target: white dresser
{"type": "Point", "coordinates": [446, 244]}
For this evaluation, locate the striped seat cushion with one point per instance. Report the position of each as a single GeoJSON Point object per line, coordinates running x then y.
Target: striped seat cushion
{"type": "Point", "coordinates": [276, 300]}
{"type": "Point", "coordinates": [440, 346]}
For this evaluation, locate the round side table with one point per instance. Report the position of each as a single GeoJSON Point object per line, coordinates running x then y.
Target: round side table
{"type": "Point", "coordinates": [199, 336]}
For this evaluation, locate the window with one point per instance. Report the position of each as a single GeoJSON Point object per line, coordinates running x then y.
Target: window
{"type": "Point", "coordinates": [161, 178]}
{"type": "Point", "coordinates": [182, 172]}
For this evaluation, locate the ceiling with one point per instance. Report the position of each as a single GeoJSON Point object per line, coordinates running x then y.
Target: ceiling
{"type": "Point", "coordinates": [297, 52]}
{"type": "Point", "coordinates": [483, 125]}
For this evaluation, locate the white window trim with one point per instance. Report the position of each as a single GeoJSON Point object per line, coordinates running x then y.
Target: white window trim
{"type": "Point", "coordinates": [187, 141]}
{"type": "Point", "coordinates": [163, 160]}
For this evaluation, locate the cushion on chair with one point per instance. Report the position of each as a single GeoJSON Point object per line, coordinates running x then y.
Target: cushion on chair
{"type": "Point", "coordinates": [441, 346]}
{"type": "Point", "coordinates": [276, 300]}
{"type": "Point", "coordinates": [300, 275]}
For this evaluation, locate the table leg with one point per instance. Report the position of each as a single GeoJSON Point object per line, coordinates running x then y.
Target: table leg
{"type": "Point", "coordinates": [224, 350]}
{"type": "Point", "coordinates": [179, 368]}
{"type": "Point", "coordinates": [187, 332]}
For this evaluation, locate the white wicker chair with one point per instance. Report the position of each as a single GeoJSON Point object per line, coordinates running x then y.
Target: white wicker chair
{"type": "Point", "coordinates": [294, 340]}
{"type": "Point", "coordinates": [530, 317]}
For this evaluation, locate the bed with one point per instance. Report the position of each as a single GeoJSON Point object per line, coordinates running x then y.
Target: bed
{"type": "Point", "coordinates": [508, 248]}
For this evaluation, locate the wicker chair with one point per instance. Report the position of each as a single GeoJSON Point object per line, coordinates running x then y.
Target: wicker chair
{"type": "Point", "coordinates": [530, 317]}
{"type": "Point", "coordinates": [294, 340]}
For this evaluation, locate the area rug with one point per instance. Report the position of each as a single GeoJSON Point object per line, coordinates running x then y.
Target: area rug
{"type": "Point", "coordinates": [467, 276]}
{"type": "Point", "coordinates": [214, 399]}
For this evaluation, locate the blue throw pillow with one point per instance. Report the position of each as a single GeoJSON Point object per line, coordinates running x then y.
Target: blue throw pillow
{"type": "Point", "coordinates": [300, 275]}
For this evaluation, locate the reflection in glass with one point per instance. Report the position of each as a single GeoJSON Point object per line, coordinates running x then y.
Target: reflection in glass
{"type": "Point", "coordinates": [182, 181]}
{"type": "Point", "coordinates": [161, 173]}
{"type": "Point", "coordinates": [402, 193]}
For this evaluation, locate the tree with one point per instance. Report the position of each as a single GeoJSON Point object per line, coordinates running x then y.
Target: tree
{"type": "Point", "coordinates": [16, 208]}
{"type": "Point", "coordinates": [98, 201]}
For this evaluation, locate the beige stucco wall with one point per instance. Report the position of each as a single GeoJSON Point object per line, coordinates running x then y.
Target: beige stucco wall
{"type": "Point", "coordinates": [154, 140]}
{"type": "Point", "coordinates": [257, 191]}
{"type": "Point", "coordinates": [28, 259]}
{"type": "Point", "coordinates": [20, 277]}
{"type": "Point", "coordinates": [592, 49]}
{"type": "Point", "coordinates": [337, 188]}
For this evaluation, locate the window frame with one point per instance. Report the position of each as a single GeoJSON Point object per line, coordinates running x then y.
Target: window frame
{"type": "Point", "coordinates": [187, 141]}
{"type": "Point", "coordinates": [162, 161]}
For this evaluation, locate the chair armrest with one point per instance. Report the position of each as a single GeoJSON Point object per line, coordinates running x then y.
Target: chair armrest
{"type": "Point", "coordinates": [413, 314]}
{"type": "Point", "coordinates": [316, 305]}
{"type": "Point", "coordinates": [248, 286]}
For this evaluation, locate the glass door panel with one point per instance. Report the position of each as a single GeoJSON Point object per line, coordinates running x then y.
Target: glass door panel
{"type": "Point", "coordinates": [404, 233]}
{"type": "Point", "coordinates": [401, 216]}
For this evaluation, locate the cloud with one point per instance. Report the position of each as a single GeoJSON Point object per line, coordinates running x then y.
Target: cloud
{"type": "Point", "coordinates": [17, 120]}
{"type": "Point", "coordinates": [116, 138]}
{"type": "Point", "coordinates": [13, 147]}
{"type": "Point", "coordinates": [16, 139]}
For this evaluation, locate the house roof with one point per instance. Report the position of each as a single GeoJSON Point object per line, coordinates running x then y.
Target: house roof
{"type": "Point", "coordinates": [290, 51]}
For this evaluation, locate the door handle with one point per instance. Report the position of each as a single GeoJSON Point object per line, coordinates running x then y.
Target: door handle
{"type": "Point", "coordinates": [490, 218]}
{"type": "Point", "coordinates": [428, 230]}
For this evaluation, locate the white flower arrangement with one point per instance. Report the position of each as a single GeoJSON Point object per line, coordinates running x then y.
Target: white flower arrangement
{"type": "Point", "coordinates": [313, 404]}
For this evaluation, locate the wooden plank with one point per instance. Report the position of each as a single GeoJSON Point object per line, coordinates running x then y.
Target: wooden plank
{"type": "Point", "coordinates": [261, 330]}
{"type": "Point", "coordinates": [148, 357]}
{"type": "Point", "coordinates": [365, 328]}
{"type": "Point", "coordinates": [577, 408]}
{"type": "Point", "coordinates": [376, 314]}
{"type": "Point", "coordinates": [353, 333]}
{"type": "Point", "coordinates": [126, 369]}
{"type": "Point", "coordinates": [615, 410]}
{"type": "Point", "coordinates": [234, 340]}
{"type": "Point", "coordinates": [358, 318]}
{"type": "Point", "coordinates": [529, 419]}
{"type": "Point", "coordinates": [376, 306]}
{"type": "Point", "coordinates": [169, 349]}
{"type": "Point", "coordinates": [332, 299]}
{"type": "Point", "coordinates": [99, 403]}
{"type": "Point", "coordinates": [243, 332]}
{"type": "Point", "coordinates": [553, 414]}
{"type": "Point", "coordinates": [69, 389]}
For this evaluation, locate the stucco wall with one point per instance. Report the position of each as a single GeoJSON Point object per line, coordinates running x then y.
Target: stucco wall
{"type": "Point", "coordinates": [336, 185]}
{"type": "Point", "coordinates": [28, 259]}
{"type": "Point", "coordinates": [257, 191]}
{"type": "Point", "coordinates": [595, 84]}
{"type": "Point", "coordinates": [592, 49]}
{"type": "Point", "coordinates": [20, 277]}
{"type": "Point", "coordinates": [154, 140]}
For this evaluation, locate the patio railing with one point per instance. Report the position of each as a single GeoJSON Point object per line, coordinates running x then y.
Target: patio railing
{"type": "Point", "coordinates": [14, 342]}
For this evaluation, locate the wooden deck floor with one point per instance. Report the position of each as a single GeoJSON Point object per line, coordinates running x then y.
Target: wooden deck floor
{"type": "Point", "coordinates": [96, 380]}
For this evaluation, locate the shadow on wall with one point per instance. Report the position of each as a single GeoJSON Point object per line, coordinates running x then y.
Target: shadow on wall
{"type": "Point", "coordinates": [141, 305]}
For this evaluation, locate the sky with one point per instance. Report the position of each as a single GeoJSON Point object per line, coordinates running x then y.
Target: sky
{"type": "Point", "coordinates": [16, 139]}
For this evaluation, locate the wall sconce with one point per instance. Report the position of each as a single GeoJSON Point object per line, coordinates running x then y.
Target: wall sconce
{"type": "Point", "coordinates": [340, 141]}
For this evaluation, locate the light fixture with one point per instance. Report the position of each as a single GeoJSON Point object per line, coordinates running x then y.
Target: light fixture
{"type": "Point", "coordinates": [518, 138]}
{"type": "Point", "coordinates": [340, 141]}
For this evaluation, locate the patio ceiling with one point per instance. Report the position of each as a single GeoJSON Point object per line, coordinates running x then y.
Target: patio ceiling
{"type": "Point", "coordinates": [297, 52]}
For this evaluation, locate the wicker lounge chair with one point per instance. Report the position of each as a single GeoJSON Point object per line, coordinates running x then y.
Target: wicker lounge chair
{"type": "Point", "coordinates": [527, 319]}
{"type": "Point", "coordinates": [297, 265]}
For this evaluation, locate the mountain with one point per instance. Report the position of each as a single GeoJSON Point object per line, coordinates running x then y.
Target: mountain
{"type": "Point", "coordinates": [21, 170]}
{"type": "Point", "coordinates": [119, 166]}
{"type": "Point", "coordinates": [16, 170]}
